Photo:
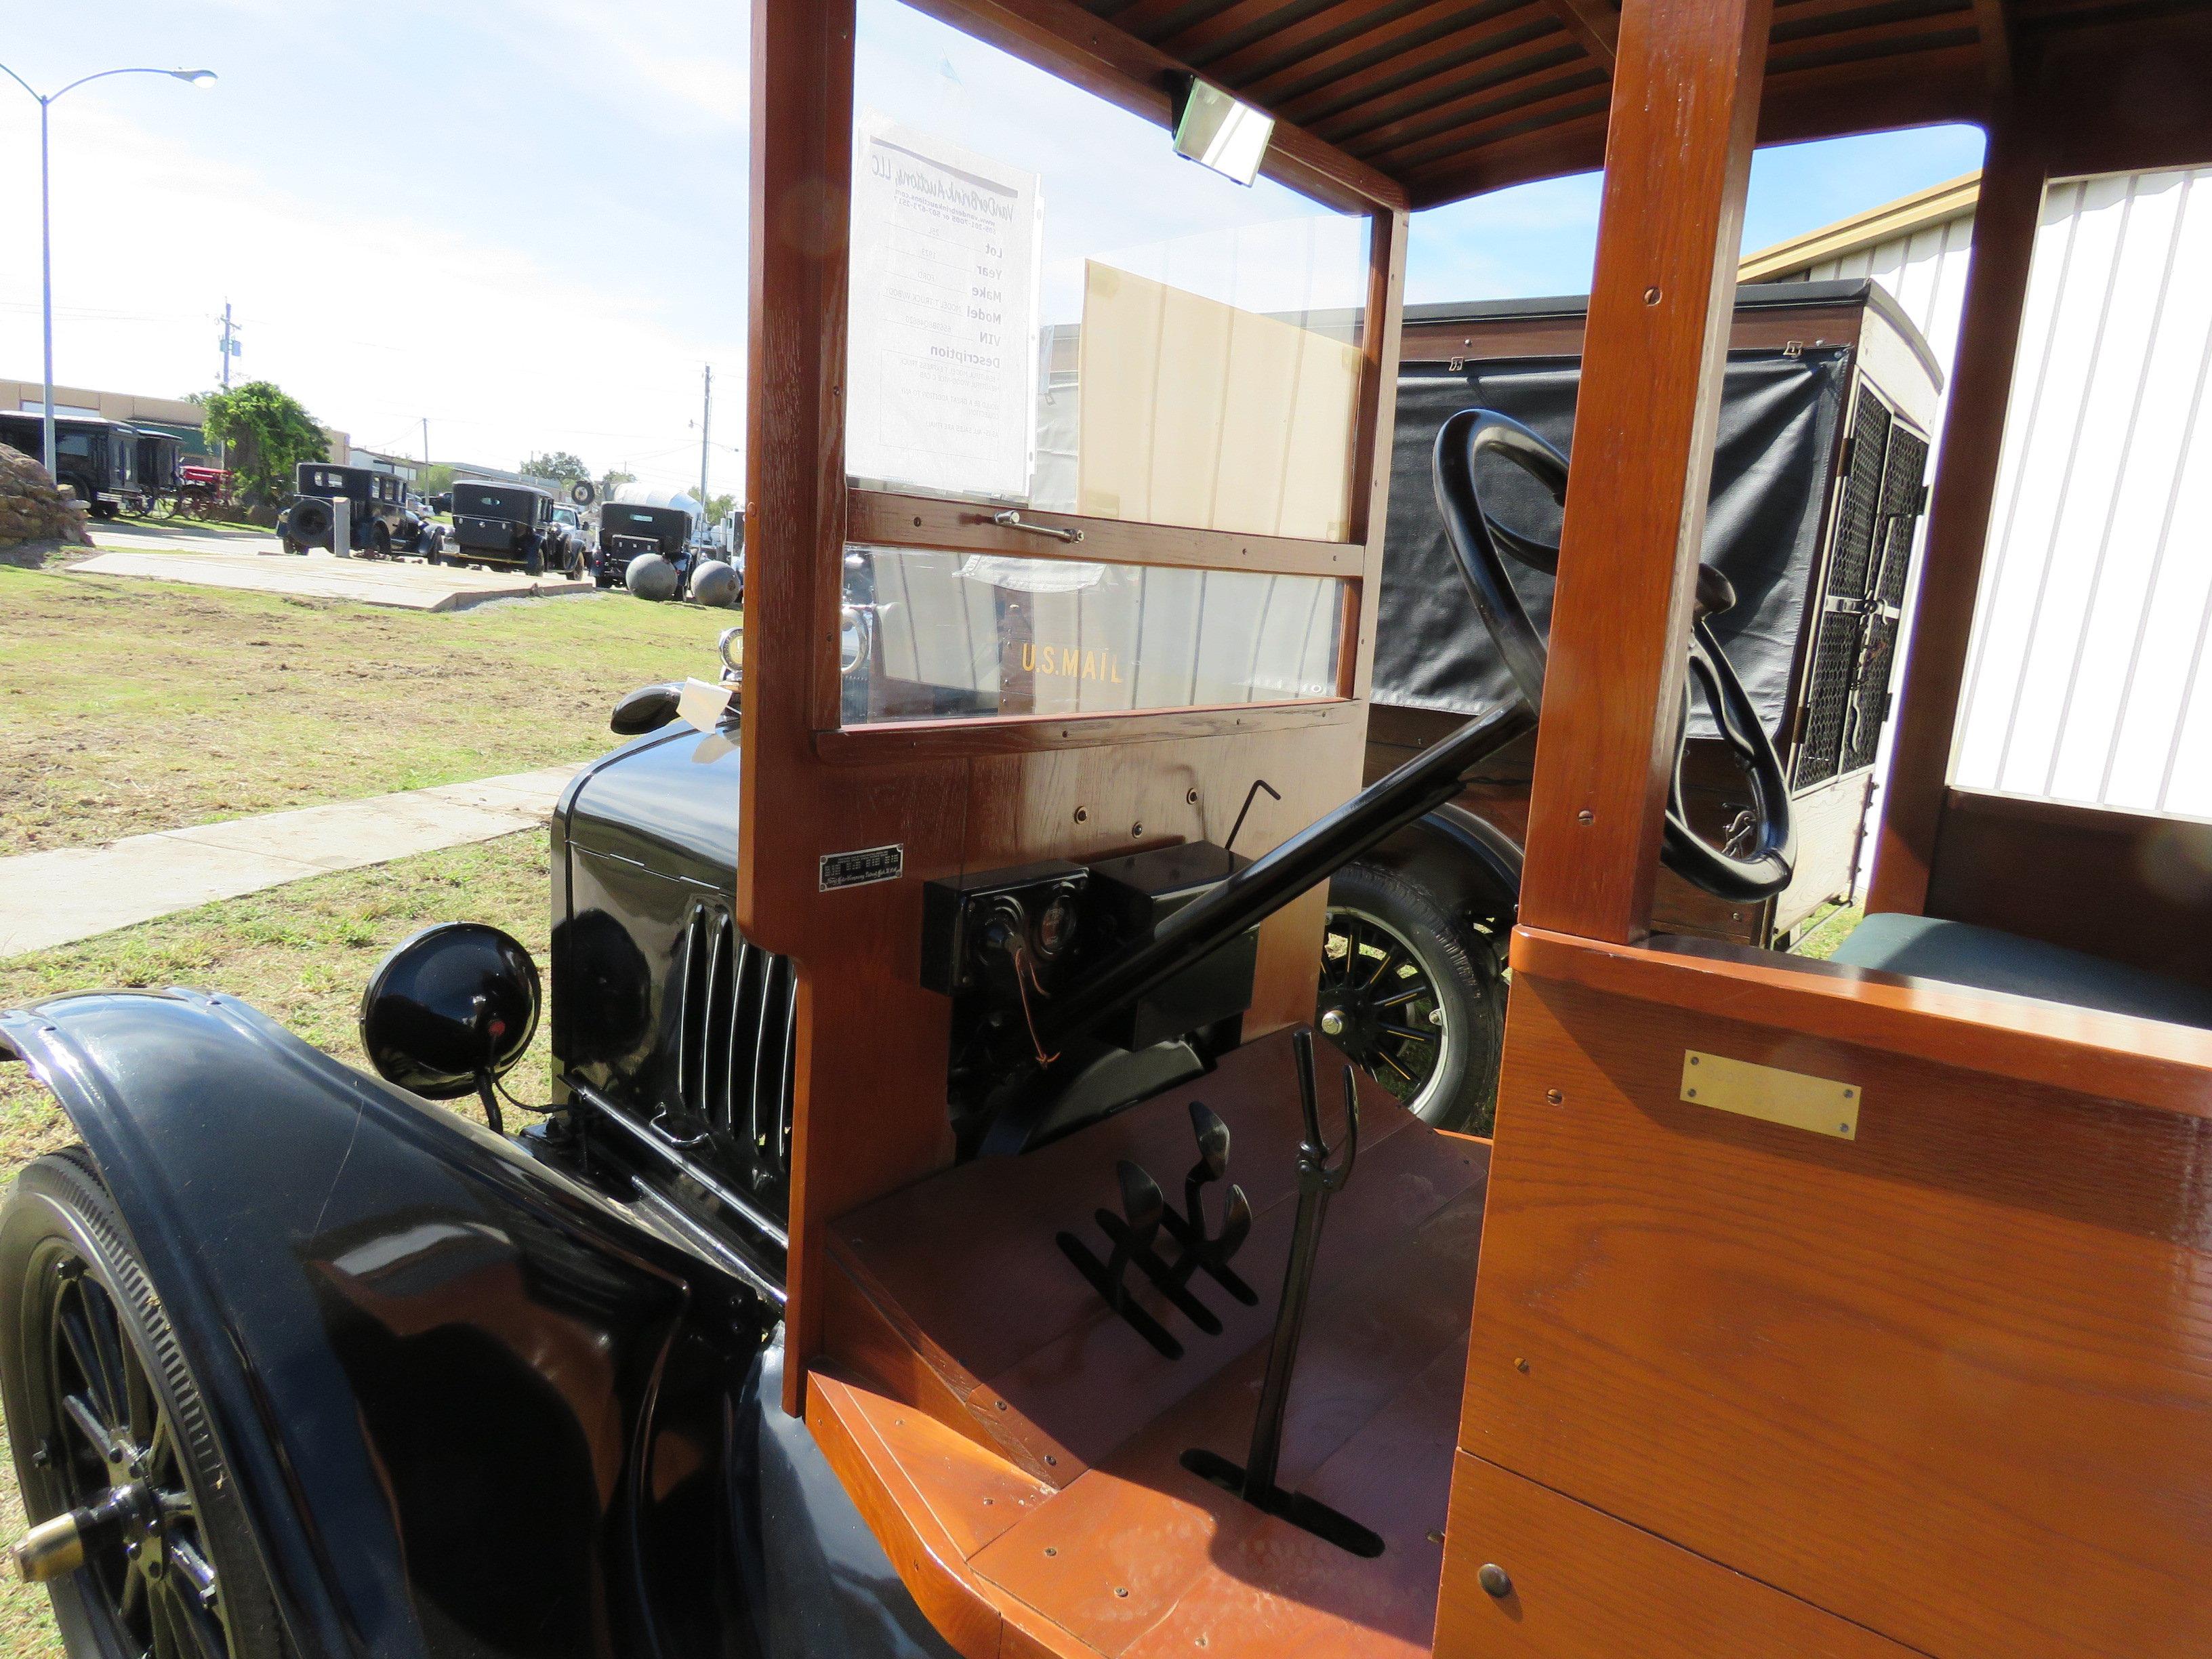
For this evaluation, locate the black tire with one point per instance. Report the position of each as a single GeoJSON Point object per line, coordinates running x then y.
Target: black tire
{"type": "Point", "coordinates": [533, 559]}
{"type": "Point", "coordinates": [79, 1321]}
{"type": "Point", "coordinates": [1417, 992]}
{"type": "Point", "coordinates": [379, 542]}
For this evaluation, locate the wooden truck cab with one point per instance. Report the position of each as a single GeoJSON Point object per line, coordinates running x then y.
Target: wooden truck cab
{"type": "Point", "coordinates": [1796, 1309]}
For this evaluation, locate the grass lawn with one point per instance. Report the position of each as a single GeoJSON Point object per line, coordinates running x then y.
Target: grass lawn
{"type": "Point", "coordinates": [129, 705]}
{"type": "Point", "coordinates": [301, 954]}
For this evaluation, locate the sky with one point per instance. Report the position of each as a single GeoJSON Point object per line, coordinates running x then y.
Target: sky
{"type": "Point", "coordinates": [522, 221]}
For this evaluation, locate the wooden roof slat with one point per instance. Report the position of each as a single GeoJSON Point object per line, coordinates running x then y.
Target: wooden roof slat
{"type": "Point", "coordinates": [1062, 37]}
{"type": "Point", "coordinates": [1575, 145]}
{"type": "Point", "coordinates": [1832, 16]}
{"type": "Point", "coordinates": [1225, 28]}
{"type": "Point", "coordinates": [1462, 123]}
{"type": "Point", "coordinates": [1374, 53]}
{"type": "Point", "coordinates": [1320, 96]}
{"type": "Point", "coordinates": [1593, 23]}
{"type": "Point", "coordinates": [1289, 48]}
{"type": "Point", "coordinates": [1876, 40]}
{"type": "Point", "coordinates": [1155, 20]}
{"type": "Point", "coordinates": [1458, 86]}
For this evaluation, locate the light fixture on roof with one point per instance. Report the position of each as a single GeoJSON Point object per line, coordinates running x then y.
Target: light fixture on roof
{"type": "Point", "coordinates": [1218, 131]}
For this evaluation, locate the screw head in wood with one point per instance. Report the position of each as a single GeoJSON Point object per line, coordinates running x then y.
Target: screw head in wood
{"type": "Point", "coordinates": [1083, 815]}
{"type": "Point", "coordinates": [1554, 1096]}
{"type": "Point", "coordinates": [1494, 1580]}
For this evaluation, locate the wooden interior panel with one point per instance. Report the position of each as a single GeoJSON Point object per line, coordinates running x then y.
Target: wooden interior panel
{"type": "Point", "coordinates": [1951, 1379]}
{"type": "Point", "coordinates": [2130, 887]}
{"type": "Point", "coordinates": [1586, 1586]}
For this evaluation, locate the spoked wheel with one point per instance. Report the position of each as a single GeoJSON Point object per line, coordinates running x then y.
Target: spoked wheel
{"type": "Point", "coordinates": [141, 1540]}
{"type": "Point", "coordinates": [1414, 995]}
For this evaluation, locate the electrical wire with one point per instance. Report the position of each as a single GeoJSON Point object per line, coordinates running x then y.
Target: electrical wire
{"type": "Point", "coordinates": [1025, 975]}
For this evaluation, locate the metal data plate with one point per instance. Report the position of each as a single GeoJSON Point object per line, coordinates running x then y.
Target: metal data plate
{"type": "Point", "coordinates": [1793, 1099]}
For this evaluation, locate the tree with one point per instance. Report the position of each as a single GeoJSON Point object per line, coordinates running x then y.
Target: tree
{"type": "Point", "coordinates": [613, 479]}
{"type": "Point", "coordinates": [719, 508]}
{"type": "Point", "coordinates": [266, 433]}
{"type": "Point", "coordinates": [434, 477]}
{"type": "Point", "coordinates": [558, 464]}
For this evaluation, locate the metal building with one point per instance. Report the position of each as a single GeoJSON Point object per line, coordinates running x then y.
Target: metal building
{"type": "Point", "coordinates": [2088, 682]}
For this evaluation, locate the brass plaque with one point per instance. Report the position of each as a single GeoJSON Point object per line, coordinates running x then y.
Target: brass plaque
{"type": "Point", "coordinates": [1821, 1104]}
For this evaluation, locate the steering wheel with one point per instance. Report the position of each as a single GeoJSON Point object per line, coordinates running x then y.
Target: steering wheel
{"type": "Point", "coordinates": [1764, 866]}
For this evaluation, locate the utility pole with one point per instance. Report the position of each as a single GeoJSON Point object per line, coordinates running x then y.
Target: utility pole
{"type": "Point", "coordinates": [230, 330]}
{"type": "Point", "coordinates": [706, 421]}
{"type": "Point", "coordinates": [426, 440]}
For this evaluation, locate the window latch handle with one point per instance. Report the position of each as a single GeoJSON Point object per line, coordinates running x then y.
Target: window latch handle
{"type": "Point", "coordinates": [1012, 520]}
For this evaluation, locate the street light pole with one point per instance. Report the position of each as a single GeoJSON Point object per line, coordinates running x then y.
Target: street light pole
{"type": "Point", "coordinates": [47, 283]}
{"type": "Point", "coordinates": [45, 215]}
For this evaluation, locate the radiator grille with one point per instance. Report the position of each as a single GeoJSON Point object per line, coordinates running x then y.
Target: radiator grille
{"type": "Point", "coordinates": [737, 1041]}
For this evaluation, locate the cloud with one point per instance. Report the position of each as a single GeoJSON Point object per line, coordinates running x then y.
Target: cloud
{"type": "Point", "coordinates": [373, 324]}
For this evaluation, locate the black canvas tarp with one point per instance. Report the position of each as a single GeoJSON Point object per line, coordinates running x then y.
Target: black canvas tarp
{"type": "Point", "coordinates": [1770, 477]}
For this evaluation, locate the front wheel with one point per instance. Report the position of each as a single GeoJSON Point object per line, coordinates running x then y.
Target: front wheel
{"type": "Point", "coordinates": [1415, 993]}
{"type": "Point", "coordinates": [108, 1426]}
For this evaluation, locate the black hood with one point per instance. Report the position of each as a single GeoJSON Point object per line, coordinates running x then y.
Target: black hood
{"type": "Point", "coordinates": [667, 800]}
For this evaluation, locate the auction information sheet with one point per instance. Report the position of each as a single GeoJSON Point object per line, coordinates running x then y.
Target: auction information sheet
{"type": "Point", "coordinates": [942, 377]}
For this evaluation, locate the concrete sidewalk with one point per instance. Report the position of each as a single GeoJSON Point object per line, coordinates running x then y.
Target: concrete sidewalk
{"type": "Point", "coordinates": [403, 585]}
{"type": "Point", "coordinates": [55, 898]}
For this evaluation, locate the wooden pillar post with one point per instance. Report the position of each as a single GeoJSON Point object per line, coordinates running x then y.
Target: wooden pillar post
{"type": "Point", "coordinates": [801, 188]}
{"type": "Point", "coordinates": [2005, 219]}
{"type": "Point", "coordinates": [1678, 155]}
{"type": "Point", "coordinates": [1379, 414]}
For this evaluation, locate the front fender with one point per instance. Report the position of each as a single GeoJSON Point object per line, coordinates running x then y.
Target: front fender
{"type": "Point", "coordinates": [430, 1361]}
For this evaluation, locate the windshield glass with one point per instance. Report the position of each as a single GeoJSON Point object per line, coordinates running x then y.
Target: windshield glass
{"type": "Point", "coordinates": [1050, 308]}
{"type": "Point", "coordinates": [932, 635]}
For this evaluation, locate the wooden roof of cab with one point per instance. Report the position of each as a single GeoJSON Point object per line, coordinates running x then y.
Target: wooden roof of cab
{"type": "Point", "coordinates": [1413, 103]}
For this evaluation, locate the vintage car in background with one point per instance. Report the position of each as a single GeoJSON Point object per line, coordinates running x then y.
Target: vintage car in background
{"type": "Point", "coordinates": [506, 524]}
{"type": "Point", "coordinates": [576, 537]}
{"type": "Point", "coordinates": [161, 470]}
{"type": "Point", "coordinates": [97, 458]}
{"type": "Point", "coordinates": [631, 530]}
{"type": "Point", "coordinates": [381, 523]}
